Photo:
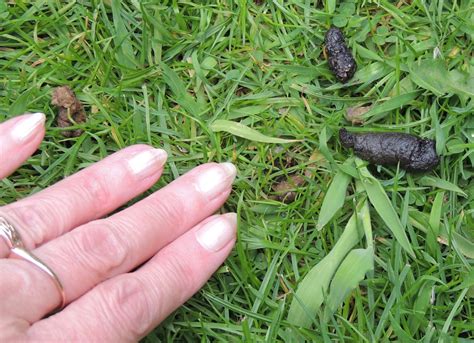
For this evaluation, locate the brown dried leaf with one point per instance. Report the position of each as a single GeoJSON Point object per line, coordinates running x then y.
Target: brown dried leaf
{"type": "Point", "coordinates": [38, 62]}
{"type": "Point", "coordinates": [285, 189]}
{"type": "Point", "coordinates": [71, 111]}
{"type": "Point", "coordinates": [354, 114]}
{"type": "Point", "coordinates": [316, 160]}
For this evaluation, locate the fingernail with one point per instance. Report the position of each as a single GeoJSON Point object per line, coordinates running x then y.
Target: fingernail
{"type": "Point", "coordinates": [216, 179]}
{"type": "Point", "coordinates": [148, 162]}
{"type": "Point", "coordinates": [26, 127]}
{"type": "Point", "coordinates": [216, 234]}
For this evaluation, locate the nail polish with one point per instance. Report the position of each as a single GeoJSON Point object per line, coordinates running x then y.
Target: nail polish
{"type": "Point", "coordinates": [217, 233]}
{"type": "Point", "coordinates": [148, 162]}
{"type": "Point", "coordinates": [26, 127]}
{"type": "Point", "coordinates": [214, 180]}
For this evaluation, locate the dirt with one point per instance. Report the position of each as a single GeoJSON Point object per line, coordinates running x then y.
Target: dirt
{"type": "Point", "coordinates": [71, 111]}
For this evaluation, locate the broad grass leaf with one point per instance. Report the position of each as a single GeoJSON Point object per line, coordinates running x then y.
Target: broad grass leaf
{"type": "Point", "coordinates": [178, 88]}
{"type": "Point", "coordinates": [330, 6]}
{"type": "Point", "coordinates": [465, 246]}
{"type": "Point", "coordinates": [467, 281]}
{"type": "Point", "coordinates": [312, 290]}
{"type": "Point", "coordinates": [248, 111]}
{"type": "Point", "coordinates": [367, 54]}
{"type": "Point", "coordinates": [323, 145]}
{"type": "Point", "coordinates": [442, 184]}
{"type": "Point", "coordinates": [421, 305]}
{"type": "Point", "coordinates": [20, 105]}
{"type": "Point", "coordinates": [246, 132]}
{"type": "Point", "coordinates": [334, 198]}
{"type": "Point", "coordinates": [351, 271]}
{"type": "Point", "coordinates": [364, 217]}
{"type": "Point", "coordinates": [391, 104]}
{"type": "Point", "coordinates": [432, 74]}
{"type": "Point", "coordinates": [435, 218]}
{"type": "Point", "coordinates": [380, 201]}
{"type": "Point", "coordinates": [123, 43]}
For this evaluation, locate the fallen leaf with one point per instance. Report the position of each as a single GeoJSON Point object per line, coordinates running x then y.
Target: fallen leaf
{"type": "Point", "coordinates": [71, 111]}
{"type": "Point", "coordinates": [355, 114]}
{"type": "Point", "coordinates": [286, 189]}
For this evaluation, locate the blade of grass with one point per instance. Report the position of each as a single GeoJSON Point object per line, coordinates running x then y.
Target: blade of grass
{"type": "Point", "coordinates": [391, 104]}
{"type": "Point", "coordinates": [246, 132]}
{"type": "Point", "coordinates": [178, 88]}
{"type": "Point", "coordinates": [455, 308]}
{"type": "Point", "coordinates": [442, 184]}
{"type": "Point", "coordinates": [434, 221]}
{"type": "Point", "coordinates": [380, 201]}
{"type": "Point", "coordinates": [394, 296]}
{"type": "Point", "coordinates": [334, 198]}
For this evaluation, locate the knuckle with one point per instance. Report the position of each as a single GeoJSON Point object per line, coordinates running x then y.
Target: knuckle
{"type": "Point", "coordinates": [34, 221]}
{"type": "Point", "coordinates": [100, 248]}
{"type": "Point", "coordinates": [178, 273]}
{"type": "Point", "coordinates": [95, 187]}
{"type": "Point", "coordinates": [170, 210]}
{"type": "Point", "coordinates": [19, 278]}
{"type": "Point", "coordinates": [129, 306]}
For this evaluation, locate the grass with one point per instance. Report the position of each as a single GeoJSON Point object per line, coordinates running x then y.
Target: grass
{"type": "Point", "coordinates": [163, 72]}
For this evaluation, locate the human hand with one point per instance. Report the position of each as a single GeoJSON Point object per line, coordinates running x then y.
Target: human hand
{"type": "Point", "coordinates": [172, 231]}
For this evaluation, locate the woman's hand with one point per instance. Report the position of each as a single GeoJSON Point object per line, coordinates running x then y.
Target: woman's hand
{"type": "Point", "coordinates": [173, 232]}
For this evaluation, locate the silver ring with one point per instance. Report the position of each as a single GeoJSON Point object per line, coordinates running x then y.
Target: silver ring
{"type": "Point", "coordinates": [13, 239]}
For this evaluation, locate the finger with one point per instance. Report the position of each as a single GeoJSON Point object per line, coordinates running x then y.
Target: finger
{"type": "Point", "coordinates": [105, 248]}
{"type": "Point", "coordinates": [87, 195]}
{"type": "Point", "coordinates": [19, 139]}
{"type": "Point", "coordinates": [128, 306]}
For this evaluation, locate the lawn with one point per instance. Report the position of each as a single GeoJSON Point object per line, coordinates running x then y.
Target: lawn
{"type": "Point", "coordinates": [248, 82]}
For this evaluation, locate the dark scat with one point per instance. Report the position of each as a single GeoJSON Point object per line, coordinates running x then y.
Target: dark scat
{"type": "Point", "coordinates": [340, 58]}
{"type": "Point", "coordinates": [413, 153]}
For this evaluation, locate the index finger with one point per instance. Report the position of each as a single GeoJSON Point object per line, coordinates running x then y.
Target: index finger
{"type": "Point", "coordinates": [19, 138]}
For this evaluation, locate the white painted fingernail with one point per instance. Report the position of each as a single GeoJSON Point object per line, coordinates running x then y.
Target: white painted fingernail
{"type": "Point", "coordinates": [216, 234]}
{"type": "Point", "coordinates": [216, 179]}
{"type": "Point", "coordinates": [147, 163]}
{"type": "Point", "coordinates": [26, 127]}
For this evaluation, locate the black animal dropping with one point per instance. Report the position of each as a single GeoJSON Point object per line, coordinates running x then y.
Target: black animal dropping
{"type": "Point", "coordinates": [414, 154]}
{"type": "Point", "coordinates": [339, 55]}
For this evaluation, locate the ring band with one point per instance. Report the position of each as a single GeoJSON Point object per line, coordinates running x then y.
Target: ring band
{"type": "Point", "coordinates": [13, 239]}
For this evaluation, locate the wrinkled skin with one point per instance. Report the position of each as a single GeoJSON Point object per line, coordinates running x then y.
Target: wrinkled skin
{"type": "Point", "coordinates": [340, 58]}
{"type": "Point", "coordinates": [413, 153]}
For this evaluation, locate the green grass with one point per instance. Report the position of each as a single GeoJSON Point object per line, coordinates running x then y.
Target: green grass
{"type": "Point", "coordinates": [163, 72]}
